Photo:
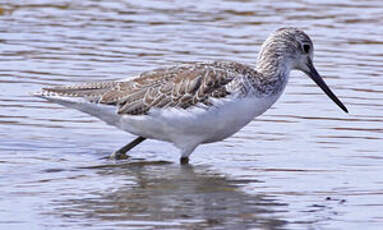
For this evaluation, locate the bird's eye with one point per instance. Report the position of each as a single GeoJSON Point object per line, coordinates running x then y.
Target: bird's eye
{"type": "Point", "coordinates": [306, 48]}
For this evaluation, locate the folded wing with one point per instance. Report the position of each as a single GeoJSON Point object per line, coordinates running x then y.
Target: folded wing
{"type": "Point", "coordinates": [180, 86]}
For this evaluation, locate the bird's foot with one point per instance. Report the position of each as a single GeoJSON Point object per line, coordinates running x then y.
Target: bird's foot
{"type": "Point", "coordinates": [184, 160]}
{"type": "Point", "coordinates": [118, 156]}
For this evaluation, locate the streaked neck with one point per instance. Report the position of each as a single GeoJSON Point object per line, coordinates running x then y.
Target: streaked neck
{"type": "Point", "coordinates": [274, 63]}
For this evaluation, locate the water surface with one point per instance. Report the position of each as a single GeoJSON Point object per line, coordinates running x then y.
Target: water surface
{"type": "Point", "coordinates": [304, 164]}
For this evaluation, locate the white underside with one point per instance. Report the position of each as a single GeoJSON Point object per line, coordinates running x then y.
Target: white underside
{"type": "Point", "coordinates": [186, 129]}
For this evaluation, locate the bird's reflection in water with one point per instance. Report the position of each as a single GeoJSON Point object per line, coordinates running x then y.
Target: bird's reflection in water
{"type": "Point", "coordinates": [162, 194]}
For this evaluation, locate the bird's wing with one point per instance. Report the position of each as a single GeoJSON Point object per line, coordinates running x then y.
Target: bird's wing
{"type": "Point", "coordinates": [180, 86]}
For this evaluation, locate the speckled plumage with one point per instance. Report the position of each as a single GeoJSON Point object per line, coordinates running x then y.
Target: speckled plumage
{"type": "Point", "coordinates": [179, 86]}
{"type": "Point", "coordinates": [192, 104]}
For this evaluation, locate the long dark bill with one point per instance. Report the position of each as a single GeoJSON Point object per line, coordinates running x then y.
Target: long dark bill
{"type": "Point", "coordinates": [314, 75]}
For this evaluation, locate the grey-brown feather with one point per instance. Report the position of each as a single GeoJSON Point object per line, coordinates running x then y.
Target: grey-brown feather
{"type": "Point", "coordinates": [179, 86]}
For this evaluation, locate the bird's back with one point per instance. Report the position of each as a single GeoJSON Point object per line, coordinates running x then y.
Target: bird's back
{"type": "Point", "coordinates": [181, 86]}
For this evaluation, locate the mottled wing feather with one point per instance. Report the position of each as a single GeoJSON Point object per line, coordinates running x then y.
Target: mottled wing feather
{"type": "Point", "coordinates": [180, 86]}
{"type": "Point", "coordinates": [90, 91]}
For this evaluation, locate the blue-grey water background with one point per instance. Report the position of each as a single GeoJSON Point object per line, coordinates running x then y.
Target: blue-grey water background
{"type": "Point", "coordinates": [304, 164]}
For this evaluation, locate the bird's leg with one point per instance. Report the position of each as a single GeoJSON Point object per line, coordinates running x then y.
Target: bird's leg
{"type": "Point", "coordinates": [184, 160]}
{"type": "Point", "coordinates": [185, 153]}
{"type": "Point", "coordinates": [121, 153]}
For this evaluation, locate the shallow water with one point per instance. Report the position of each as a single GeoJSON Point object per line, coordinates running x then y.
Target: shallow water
{"type": "Point", "coordinates": [304, 164]}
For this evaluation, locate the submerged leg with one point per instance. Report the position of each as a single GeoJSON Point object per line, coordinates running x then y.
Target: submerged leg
{"type": "Point", "coordinates": [184, 160]}
{"type": "Point", "coordinates": [121, 153]}
{"type": "Point", "coordinates": [185, 153]}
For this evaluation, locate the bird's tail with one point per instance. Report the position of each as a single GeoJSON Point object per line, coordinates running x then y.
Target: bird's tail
{"type": "Point", "coordinates": [83, 97]}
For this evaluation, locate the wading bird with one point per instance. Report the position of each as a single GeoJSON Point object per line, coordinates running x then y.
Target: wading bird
{"type": "Point", "coordinates": [194, 104]}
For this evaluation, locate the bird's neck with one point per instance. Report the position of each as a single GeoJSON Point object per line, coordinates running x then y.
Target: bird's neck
{"type": "Point", "coordinates": [275, 71]}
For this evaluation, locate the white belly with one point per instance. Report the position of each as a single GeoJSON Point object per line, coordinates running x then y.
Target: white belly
{"type": "Point", "coordinates": [184, 128]}
{"type": "Point", "coordinates": [197, 125]}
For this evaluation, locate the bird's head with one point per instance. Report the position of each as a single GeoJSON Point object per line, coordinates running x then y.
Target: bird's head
{"type": "Point", "coordinates": [291, 48]}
